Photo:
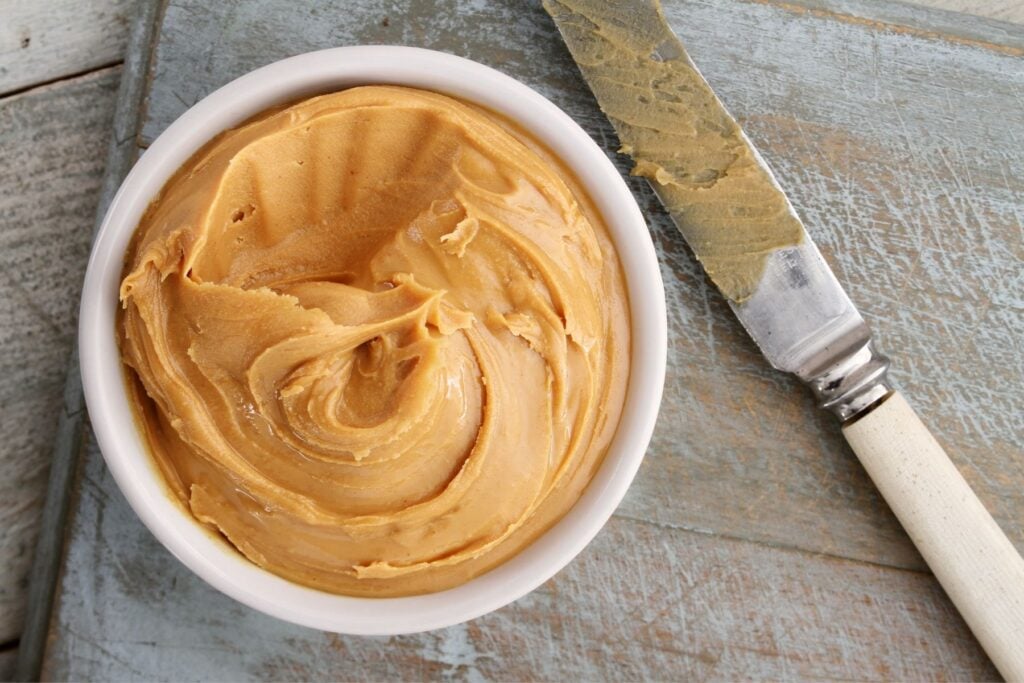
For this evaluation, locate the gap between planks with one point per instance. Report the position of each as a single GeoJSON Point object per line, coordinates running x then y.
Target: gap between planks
{"type": "Point", "coordinates": [58, 81]}
{"type": "Point", "coordinates": [784, 547]}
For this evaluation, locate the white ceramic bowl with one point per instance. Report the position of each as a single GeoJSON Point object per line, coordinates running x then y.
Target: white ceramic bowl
{"type": "Point", "coordinates": [122, 446]}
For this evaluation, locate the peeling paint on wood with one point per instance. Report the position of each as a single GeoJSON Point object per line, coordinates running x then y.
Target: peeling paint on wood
{"type": "Point", "coordinates": [740, 551]}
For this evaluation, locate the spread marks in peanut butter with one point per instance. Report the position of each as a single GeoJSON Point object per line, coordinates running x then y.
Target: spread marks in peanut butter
{"type": "Point", "coordinates": [378, 339]}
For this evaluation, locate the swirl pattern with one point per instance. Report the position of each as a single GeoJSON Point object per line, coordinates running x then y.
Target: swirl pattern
{"type": "Point", "coordinates": [378, 339]}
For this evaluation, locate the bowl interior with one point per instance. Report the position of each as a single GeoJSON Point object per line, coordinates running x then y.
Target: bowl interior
{"type": "Point", "coordinates": [111, 415]}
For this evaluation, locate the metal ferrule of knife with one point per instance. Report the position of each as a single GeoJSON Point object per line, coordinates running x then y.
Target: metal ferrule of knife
{"type": "Point", "coordinates": [852, 384]}
{"type": "Point", "coordinates": [805, 324]}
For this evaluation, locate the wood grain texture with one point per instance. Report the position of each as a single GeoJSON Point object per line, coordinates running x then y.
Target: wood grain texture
{"type": "Point", "coordinates": [43, 41]}
{"type": "Point", "coordinates": [643, 602]}
{"type": "Point", "coordinates": [67, 440]}
{"type": "Point", "coordinates": [900, 149]}
{"type": "Point", "coordinates": [51, 165]}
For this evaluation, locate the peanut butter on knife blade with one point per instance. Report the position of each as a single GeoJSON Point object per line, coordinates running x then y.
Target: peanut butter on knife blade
{"type": "Point", "coordinates": [379, 339]}
{"type": "Point", "coordinates": [680, 137]}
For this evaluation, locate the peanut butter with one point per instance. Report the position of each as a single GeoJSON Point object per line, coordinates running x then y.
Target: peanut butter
{"type": "Point", "coordinates": [378, 340]}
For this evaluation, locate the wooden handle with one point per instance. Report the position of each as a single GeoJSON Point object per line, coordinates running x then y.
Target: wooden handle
{"type": "Point", "coordinates": [967, 551]}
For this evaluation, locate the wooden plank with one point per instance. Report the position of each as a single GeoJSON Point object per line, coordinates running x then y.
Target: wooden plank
{"type": "Point", "coordinates": [44, 41]}
{"type": "Point", "coordinates": [42, 241]}
{"type": "Point", "coordinates": [907, 172]}
{"type": "Point", "coordinates": [685, 582]}
{"type": "Point", "coordinates": [51, 164]}
{"type": "Point", "coordinates": [66, 446]}
{"type": "Point", "coordinates": [643, 602]}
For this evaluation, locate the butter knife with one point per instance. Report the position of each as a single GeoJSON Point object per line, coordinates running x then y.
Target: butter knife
{"type": "Point", "coordinates": [734, 215]}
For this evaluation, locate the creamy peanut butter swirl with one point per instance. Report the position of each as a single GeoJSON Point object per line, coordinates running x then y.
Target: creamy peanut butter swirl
{"type": "Point", "coordinates": [377, 339]}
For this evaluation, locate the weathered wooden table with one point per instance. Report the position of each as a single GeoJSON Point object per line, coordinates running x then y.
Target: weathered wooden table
{"type": "Point", "coordinates": [58, 81]}
{"type": "Point", "coordinates": [752, 545]}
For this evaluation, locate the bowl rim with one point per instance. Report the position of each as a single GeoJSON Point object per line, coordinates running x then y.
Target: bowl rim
{"type": "Point", "coordinates": [121, 444]}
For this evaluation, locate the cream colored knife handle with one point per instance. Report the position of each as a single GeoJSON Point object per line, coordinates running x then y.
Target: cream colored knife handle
{"type": "Point", "coordinates": [967, 551]}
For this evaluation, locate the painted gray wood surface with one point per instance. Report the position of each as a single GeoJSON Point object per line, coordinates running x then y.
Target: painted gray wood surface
{"type": "Point", "coordinates": [51, 165]}
{"type": "Point", "coordinates": [643, 602]}
{"type": "Point", "coordinates": [43, 41]}
{"type": "Point", "coordinates": [901, 18]}
{"type": "Point", "coordinates": [751, 545]}
{"type": "Point", "coordinates": [67, 438]}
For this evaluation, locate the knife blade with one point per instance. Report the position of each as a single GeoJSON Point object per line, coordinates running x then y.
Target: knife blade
{"type": "Point", "coordinates": [732, 212]}
{"type": "Point", "coordinates": [785, 295]}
